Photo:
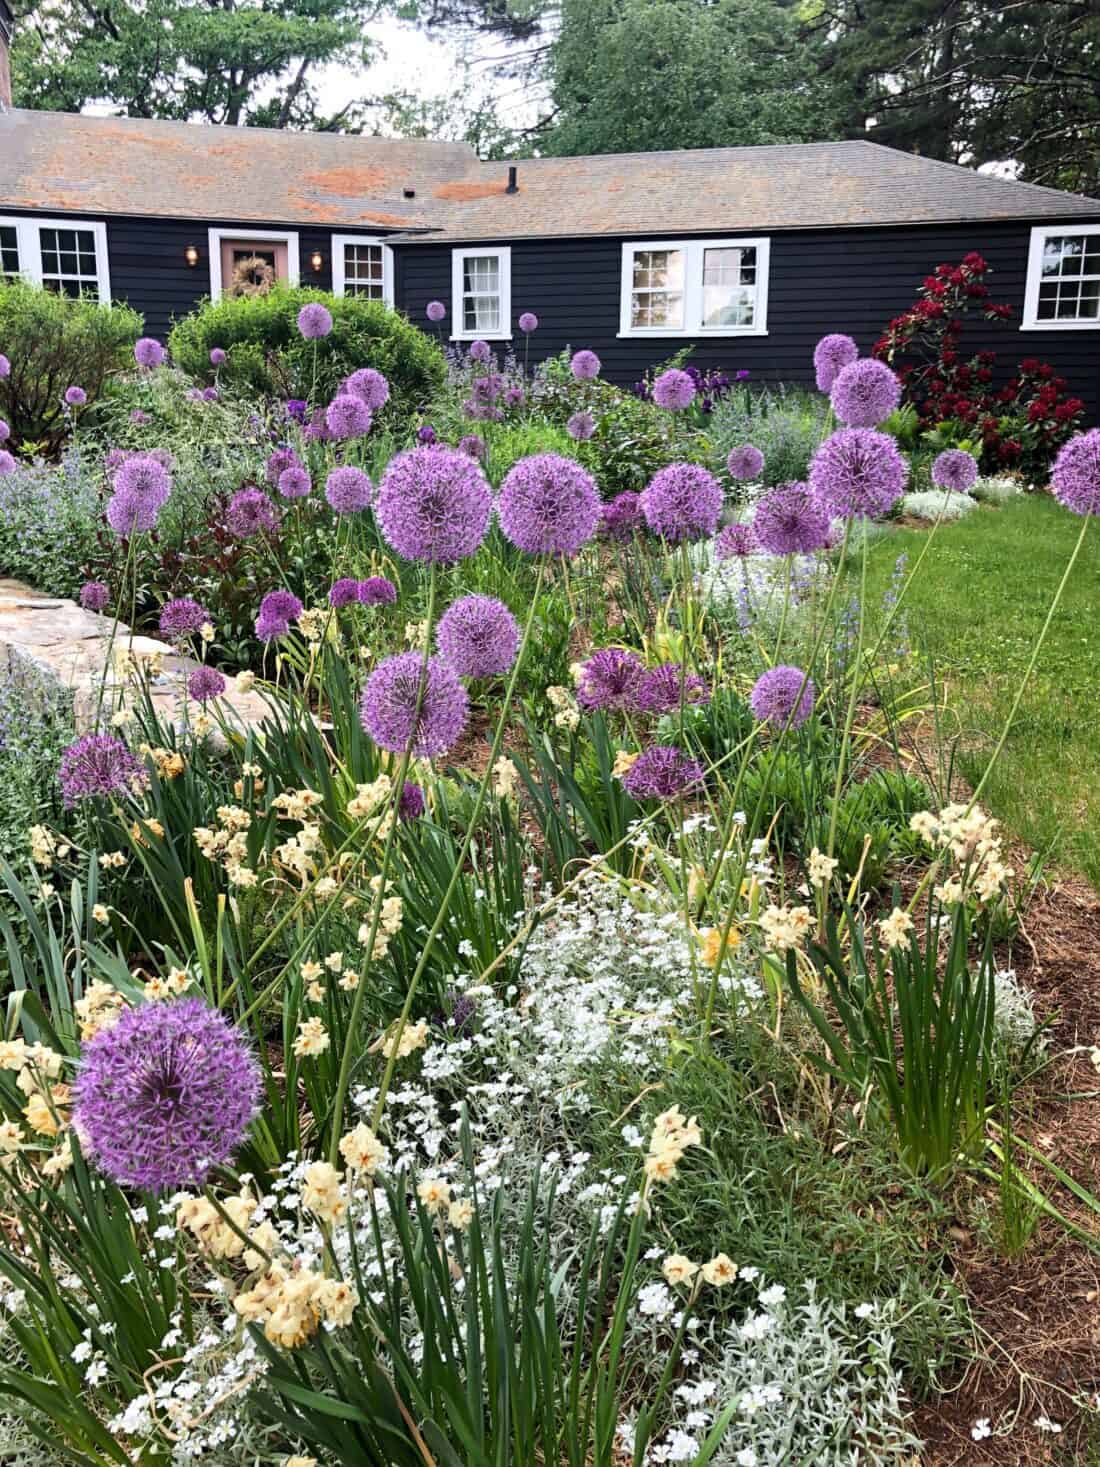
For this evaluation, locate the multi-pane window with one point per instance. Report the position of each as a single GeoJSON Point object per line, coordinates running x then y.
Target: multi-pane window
{"type": "Point", "coordinates": [692, 287]}
{"type": "Point", "coordinates": [657, 289]}
{"type": "Point", "coordinates": [481, 290]}
{"type": "Point", "coordinates": [9, 250]}
{"type": "Point", "coordinates": [364, 272]}
{"type": "Point", "coordinates": [1063, 279]}
{"type": "Point", "coordinates": [69, 261]}
{"type": "Point", "coordinates": [729, 286]}
{"type": "Point", "coordinates": [65, 255]}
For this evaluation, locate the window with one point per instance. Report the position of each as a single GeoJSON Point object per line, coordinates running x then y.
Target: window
{"type": "Point", "coordinates": [9, 250]}
{"type": "Point", "coordinates": [66, 255]}
{"type": "Point", "coordinates": [481, 289]}
{"type": "Point", "coordinates": [695, 287]}
{"type": "Point", "coordinates": [362, 266]}
{"type": "Point", "coordinates": [229, 247]}
{"type": "Point", "coordinates": [1063, 279]}
{"type": "Point", "coordinates": [68, 260]}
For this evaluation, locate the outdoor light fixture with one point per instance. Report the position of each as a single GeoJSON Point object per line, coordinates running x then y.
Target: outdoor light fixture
{"type": "Point", "coordinates": [316, 259]}
{"type": "Point", "coordinates": [191, 255]}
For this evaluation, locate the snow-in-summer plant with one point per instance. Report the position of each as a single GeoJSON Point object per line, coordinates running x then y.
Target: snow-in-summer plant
{"type": "Point", "coordinates": [996, 488]}
{"type": "Point", "coordinates": [937, 504]}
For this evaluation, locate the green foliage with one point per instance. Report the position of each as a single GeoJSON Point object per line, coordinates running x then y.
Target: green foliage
{"type": "Point", "coordinates": [786, 423]}
{"type": "Point", "coordinates": [34, 728]}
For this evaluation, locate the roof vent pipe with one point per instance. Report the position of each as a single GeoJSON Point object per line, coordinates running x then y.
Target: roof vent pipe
{"type": "Point", "coordinates": [513, 186]}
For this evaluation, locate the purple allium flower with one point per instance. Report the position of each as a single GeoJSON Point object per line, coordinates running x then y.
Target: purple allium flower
{"type": "Point", "coordinates": [528, 322]}
{"type": "Point", "coordinates": [277, 610]}
{"type": "Point", "coordinates": [210, 394]}
{"type": "Point", "coordinates": [5, 431]}
{"type": "Point", "coordinates": [609, 679]}
{"type": "Point", "coordinates": [659, 690]}
{"type": "Point", "coordinates": [581, 426]}
{"type": "Point", "coordinates": [783, 696]}
{"type": "Point", "coordinates": [436, 311]}
{"type": "Point", "coordinates": [277, 464]}
{"type": "Point", "coordinates": [621, 518]}
{"type": "Point", "coordinates": [682, 502]}
{"type": "Point", "coordinates": [514, 397]}
{"type": "Point", "coordinates": [296, 409]}
{"type": "Point", "coordinates": [249, 512]}
{"type": "Point", "coordinates": [433, 504]}
{"type": "Point", "coordinates": [548, 505]}
{"type": "Point", "coordinates": [98, 765]}
{"type": "Point", "coordinates": [348, 416]}
{"type": "Point", "coordinates": [7, 463]}
{"type": "Point", "coordinates": [165, 1095]}
{"type": "Point", "coordinates": [5, 366]}
{"type": "Point", "coordinates": [294, 482]}
{"type": "Point", "coordinates": [182, 617]}
{"type": "Point", "coordinates": [955, 469]}
{"type": "Point", "coordinates": [139, 418]}
{"type": "Point", "coordinates": [377, 591]}
{"type": "Point", "coordinates": [148, 352]}
{"type": "Point", "coordinates": [369, 385]}
{"type": "Point", "coordinates": [113, 457]}
{"type": "Point", "coordinates": [411, 804]}
{"type": "Point", "coordinates": [143, 477]}
{"type": "Point", "coordinates": [481, 351]}
{"type": "Point", "coordinates": [314, 321]}
{"type": "Point", "coordinates": [217, 357]}
{"type": "Point", "coordinates": [585, 365]}
{"type": "Point", "coordinates": [426, 434]}
{"type": "Point", "coordinates": [397, 689]}
{"type": "Point", "coordinates": [348, 490]}
{"type": "Point", "coordinates": [131, 514]}
{"type": "Point", "coordinates": [478, 636]}
{"type": "Point", "coordinates": [735, 542]}
{"type": "Point", "coordinates": [194, 394]}
{"type": "Point", "coordinates": [94, 596]}
{"type": "Point", "coordinates": [662, 773]}
{"type": "Point", "coordinates": [790, 521]}
{"type": "Point", "coordinates": [865, 393]}
{"type": "Point", "coordinates": [831, 355]}
{"type": "Point", "coordinates": [1076, 474]}
{"type": "Point", "coordinates": [472, 446]}
{"type": "Point", "coordinates": [858, 471]}
{"type": "Point", "coordinates": [75, 397]}
{"type": "Point", "coordinates": [344, 592]}
{"type": "Point", "coordinates": [205, 682]}
{"type": "Point", "coordinates": [744, 462]}
{"type": "Point", "coordinates": [673, 390]}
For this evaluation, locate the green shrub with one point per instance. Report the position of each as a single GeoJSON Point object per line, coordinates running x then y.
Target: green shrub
{"type": "Point", "coordinates": [54, 342]}
{"type": "Point", "coordinates": [785, 423]}
{"type": "Point", "coordinates": [267, 354]}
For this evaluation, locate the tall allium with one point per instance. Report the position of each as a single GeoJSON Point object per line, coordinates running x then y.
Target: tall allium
{"type": "Point", "coordinates": [528, 322]}
{"type": "Point", "coordinates": [744, 462]}
{"type": "Point", "coordinates": [783, 696]}
{"type": "Point", "coordinates": [344, 592]}
{"type": "Point", "coordinates": [165, 1095]}
{"type": "Point", "coordinates": [433, 504]}
{"type": "Point", "coordinates": [393, 695]}
{"type": "Point", "coordinates": [858, 472]}
{"type": "Point", "coordinates": [610, 679]}
{"type": "Point", "coordinates": [377, 591]}
{"type": "Point", "coordinates": [865, 393]}
{"type": "Point", "coordinates": [75, 397]}
{"type": "Point", "coordinates": [294, 482]}
{"type": "Point", "coordinates": [831, 355]}
{"type": "Point", "coordinates": [1076, 473]}
{"type": "Point", "coordinates": [370, 385]}
{"type": "Point", "coordinates": [249, 512]}
{"type": "Point", "coordinates": [621, 518]}
{"type": "Point", "coordinates": [436, 311]}
{"type": "Point", "coordinates": [347, 416]}
{"type": "Point", "coordinates": [478, 636]}
{"type": "Point", "coordinates": [585, 365]}
{"type": "Point", "coordinates": [143, 477]}
{"type": "Point", "coordinates": [581, 426]}
{"type": "Point", "coordinates": [682, 502]}
{"type": "Point", "coordinates": [314, 321]}
{"type": "Point", "coordinates": [790, 521]}
{"type": "Point", "coordinates": [98, 765]}
{"type": "Point", "coordinates": [659, 691]}
{"type": "Point", "coordinates": [182, 617]}
{"type": "Point", "coordinates": [94, 596]}
{"type": "Point", "coordinates": [472, 446]}
{"type": "Point", "coordinates": [5, 367]}
{"type": "Point", "coordinates": [7, 463]}
{"type": "Point", "coordinates": [481, 351]}
{"type": "Point", "coordinates": [348, 490]}
{"type": "Point", "coordinates": [148, 352]}
{"type": "Point", "coordinates": [954, 468]}
{"type": "Point", "coordinates": [673, 390]}
{"type": "Point", "coordinates": [411, 804]}
{"type": "Point", "coordinates": [548, 505]}
{"type": "Point", "coordinates": [735, 542]}
{"type": "Point", "coordinates": [218, 357]}
{"type": "Point", "coordinates": [277, 610]}
{"type": "Point", "coordinates": [426, 434]}
{"type": "Point", "coordinates": [278, 462]}
{"type": "Point", "coordinates": [662, 773]}
{"type": "Point", "coordinates": [131, 514]}
{"type": "Point", "coordinates": [205, 683]}
{"type": "Point", "coordinates": [5, 431]}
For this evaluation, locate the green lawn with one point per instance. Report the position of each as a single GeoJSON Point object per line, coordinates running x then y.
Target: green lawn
{"type": "Point", "coordinates": [976, 607]}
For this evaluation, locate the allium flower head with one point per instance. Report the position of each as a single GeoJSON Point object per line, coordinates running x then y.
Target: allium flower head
{"type": "Point", "coordinates": [1076, 473]}
{"type": "Point", "coordinates": [370, 385]}
{"type": "Point", "coordinates": [831, 355]}
{"type": "Point", "coordinates": [294, 482]}
{"type": "Point", "coordinates": [277, 610]}
{"type": "Point", "coordinates": [204, 683]}
{"type": "Point", "coordinates": [528, 322]}
{"type": "Point", "coordinates": [610, 679]}
{"type": "Point", "coordinates": [348, 490]}
{"type": "Point", "coordinates": [249, 512]}
{"type": "Point", "coordinates": [136, 416]}
{"type": "Point", "coordinates": [75, 397]}
{"type": "Point", "coordinates": [348, 416]}
{"type": "Point", "coordinates": [5, 431]}
{"type": "Point", "coordinates": [858, 471]}
{"type": "Point", "coordinates": [581, 426]}
{"type": "Point", "coordinates": [790, 521]}
{"type": "Point", "coordinates": [673, 390]}
{"type": "Point", "coordinates": [865, 393]}
{"type": "Point", "coordinates": [5, 367]}
{"type": "Point", "coordinates": [401, 685]}
{"type": "Point", "coordinates": [314, 321]}
{"type": "Point", "coordinates": [478, 636]}
{"type": "Point", "coordinates": [744, 462]}
{"type": "Point", "coordinates": [436, 311]}
{"type": "Point", "coordinates": [472, 446]}
{"type": "Point", "coordinates": [98, 765]}
{"type": "Point", "coordinates": [481, 351]}
{"type": "Point", "coordinates": [344, 592]}
{"type": "Point", "coordinates": [94, 596]}
{"type": "Point", "coordinates": [142, 476]}
{"type": "Point", "coordinates": [182, 617]}
{"type": "Point", "coordinates": [514, 397]}
{"type": "Point", "coordinates": [659, 691]}
{"type": "Point", "coordinates": [148, 352]}
{"type": "Point", "coordinates": [682, 502]}
{"type": "Point", "coordinates": [426, 434]}
{"type": "Point", "coordinates": [735, 542]}
{"type": "Point", "coordinates": [217, 357]}
{"type": "Point", "coordinates": [433, 504]}
{"type": "Point", "coordinates": [954, 468]}
{"type": "Point", "coordinates": [783, 696]}
{"type": "Point", "coordinates": [377, 591]}
{"type": "Point", "coordinates": [164, 1095]}
{"type": "Point", "coordinates": [411, 804]}
{"type": "Point", "coordinates": [131, 514]}
{"type": "Point", "coordinates": [7, 463]}
{"type": "Point", "coordinates": [585, 365]}
{"type": "Point", "coordinates": [279, 461]}
{"type": "Point", "coordinates": [548, 505]}
{"type": "Point", "coordinates": [662, 772]}
{"type": "Point", "coordinates": [621, 518]}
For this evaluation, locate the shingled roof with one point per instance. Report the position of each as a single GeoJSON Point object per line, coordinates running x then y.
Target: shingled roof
{"type": "Point", "coordinates": [104, 165]}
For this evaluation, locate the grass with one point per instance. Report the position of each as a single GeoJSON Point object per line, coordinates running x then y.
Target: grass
{"type": "Point", "coordinates": [976, 607]}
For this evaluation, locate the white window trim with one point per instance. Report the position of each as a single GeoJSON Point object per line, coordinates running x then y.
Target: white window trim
{"type": "Point", "coordinates": [29, 244]}
{"type": "Point", "coordinates": [1039, 236]}
{"type": "Point", "coordinates": [503, 254]}
{"type": "Point", "coordinates": [339, 283]}
{"type": "Point", "coordinates": [214, 239]}
{"type": "Point", "coordinates": [692, 250]}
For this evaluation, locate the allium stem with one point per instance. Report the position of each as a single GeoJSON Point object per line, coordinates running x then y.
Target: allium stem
{"type": "Point", "coordinates": [114, 629]}
{"type": "Point", "coordinates": [857, 683]}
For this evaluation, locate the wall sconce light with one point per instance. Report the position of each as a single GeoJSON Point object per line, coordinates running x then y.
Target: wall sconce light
{"type": "Point", "coordinates": [316, 260]}
{"type": "Point", "coordinates": [191, 255]}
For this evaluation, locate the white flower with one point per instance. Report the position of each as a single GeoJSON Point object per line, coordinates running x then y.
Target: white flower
{"type": "Point", "coordinates": [981, 1429]}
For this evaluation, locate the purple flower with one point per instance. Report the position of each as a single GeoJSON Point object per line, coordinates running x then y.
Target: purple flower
{"type": "Point", "coordinates": [433, 504]}
{"type": "Point", "coordinates": [858, 472]}
{"type": "Point", "coordinates": [294, 482]}
{"type": "Point", "coordinates": [673, 390]}
{"type": "Point", "coordinates": [581, 426]}
{"type": "Point", "coordinates": [217, 357]}
{"type": "Point", "coordinates": [348, 490]}
{"type": "Point", "coordinates": [130, 514]}
{"type": "Point", "coordinates": [205, 682]}
{"type": "Point", "coordinates": [662, 773]}
{"type": "Point", "coordinates": [472, 446]}
{"type": "Point", "coordinates": [528, 322]}
{"type": "Point", "coordinates": [735, 542]}
{"type": "Point", "coordinates": [5, 431]}
{"type": "Point", "coordinates": [426, 434]}
{"type": "Point", "coordinates": [609, 679]}
{"type": "Point", "coordinates": [377, 591]}
{"type": "Point", "coordinates": [745, 462]}
{"type": "Point", "coordinates": [277, 610]}
{"type": "Point", "coordinates": [7, 463]}
{"type": "Point", "coordinates": [831, 355]}
{"type": "Point", "coordinates": [585, 365]}
{"type": "Point", "coordinates": [782, 696]}
{"type": "Point", "coordinates": [436, 311]}
{"type": "Point", "coordinates": [143, 477]}
{"type": "Point", "coordinates": [278, 462]}
{"type": "Point", "coordinates": [790, 521]}
{"type": "Point", "coordinates": [621, 518]}
{"type": "Point", "coordinates": [209, 394]}
{"type": "Point", "coordinates": [659, 690]}
{"type": "Point", "coordinates": [682, 502]}
{"type": "Point", "coordinates": [165, 1095]}
{"type": "Point", "coordinates": [481, 351]}
{"type": "Point", "coordinates": [75, 397]}
{"type": "Point", "coordinates": [514, 397]}
{"type": "Point", "coordinates": [314, 321]}
{"type": "Point", "coordinates": [865, 393]}
{"type": "Point", "coordinates": [369, 385]}
{"type": "Point", "coordinates": [139, 417]}
{"type": "Point", "coordinates": [5, 366]}
{"type": "Point", "coordinates": [182, 618]}
{"type": "Point", "coordinates": [98, 765]}
{"type": "Point", "coordinates": [347, 416]}
{"type": "Point", "coordinates": [94, 596]}
{"type": "Point", "coordinates": [297, 409]}
{"type": "Point", "coordinates": [478, 636]}
{"type": "Point", "coordinates": [548, 505]}
{"type": "Point", "coordinates": [249, 512]}
{"type": "Point", "coordinates": [1076, 473]}
{"type": "Point", "coordinates": [955, 469]}
{"type": "Point", "coordinates": [411, 804]}
{"type": "Point", "coordinates": [148, 352]}
{"type": "Point", "coordinates": [410, 703]}
{"type": "Point", "coordinates": [344, 592]}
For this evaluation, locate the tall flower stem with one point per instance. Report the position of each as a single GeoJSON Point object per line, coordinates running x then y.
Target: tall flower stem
{"type": "Point", "coordinates": [114, 626]}
{"type": "Point", "coordinates": [853, 696]}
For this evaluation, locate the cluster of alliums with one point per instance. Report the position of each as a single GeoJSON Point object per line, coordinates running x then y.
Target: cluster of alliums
{"type": "Point", "coordinates": [621, 518]}
{"type": "Point", "coordinates": [615, 680]}
{"type": "Point", "coordinates": [708, 388]}
{"type": "Point", "coordinates": [99, 766]}
{"type": "Point", "coordinates": [141, 486]}
{"type": "Point", "coordinates": [374, 591]}
{"type": "Point", "coordinates": [415, 704]}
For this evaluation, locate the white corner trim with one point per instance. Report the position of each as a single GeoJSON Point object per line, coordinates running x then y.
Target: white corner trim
{"type": "Point", "coordinates": [691, 320]}
{"type": "Point", "coordinates": [339, 283]}
{"type": "Point", "coordinates": [1040, 233]}
{"type": "Point", "coordinates": [29, 244]}
{"type": "Point", "coordinates": [503, 254]}
{"type": "Point", "coordinates": [214, 239]}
